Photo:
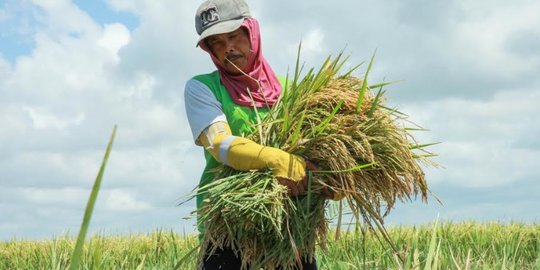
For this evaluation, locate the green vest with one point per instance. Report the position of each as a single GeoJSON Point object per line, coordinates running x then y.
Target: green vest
{"type": "Point", "coordinates": [240, 119]}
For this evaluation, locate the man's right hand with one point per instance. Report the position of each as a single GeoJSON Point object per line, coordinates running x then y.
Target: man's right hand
{"type": "Point", "coordinates": [296, 188]}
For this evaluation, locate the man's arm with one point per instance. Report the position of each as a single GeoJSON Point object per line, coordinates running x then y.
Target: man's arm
{"type": "Point", "coordinates": [243, 154]}
{"type": "Point", "coordinates": [210, 129]}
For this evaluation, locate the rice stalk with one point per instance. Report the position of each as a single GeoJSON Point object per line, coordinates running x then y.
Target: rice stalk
{"type": "Point", "coordinates": [364, 151]}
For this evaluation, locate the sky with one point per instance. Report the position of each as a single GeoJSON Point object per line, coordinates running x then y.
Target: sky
{"type": "Point", "coordinates": [71, 70]}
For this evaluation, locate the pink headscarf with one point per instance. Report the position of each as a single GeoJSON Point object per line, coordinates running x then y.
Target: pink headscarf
{"type": "Point", "coordinates": [257, 68]}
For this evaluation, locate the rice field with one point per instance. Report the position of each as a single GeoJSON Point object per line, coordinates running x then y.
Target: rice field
{"type": "Point", "coordinates": [444, 246]}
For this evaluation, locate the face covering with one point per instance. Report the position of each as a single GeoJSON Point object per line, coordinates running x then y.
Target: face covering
{"type": "Point", "coordinates": [267, 90]}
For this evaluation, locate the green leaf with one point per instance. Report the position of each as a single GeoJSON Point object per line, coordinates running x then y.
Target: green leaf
{"type": "Point", "coordinates": [322, 126]}
{"type": "Point", "coordinates": [419, 146]}
{"type": "Point", "coordinates": [77, 252]}
{"type": "Point", "coordinates": [351, 70]}
{"type": "Point", "coordinates": [297, 67]}
{"type": "Point", "coordinates": [381, 84]}
{"type": "Point", "coordinates": [375, 102]}
{"type": "Point", "coordinates": [364, 85]}
{"type": "Point", "coordinates": [297, 131]}
{"type": "Point", "coordinates": [353, 169]}
{"type": "Point", "coordinates": [432, 247]}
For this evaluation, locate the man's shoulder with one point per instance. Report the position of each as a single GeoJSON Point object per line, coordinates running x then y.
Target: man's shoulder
{"type": "Point", "coordinates": [210, 80]}
{"type": "Point", "coordinates": [205, 76]}
{"type": "Point", "coordinates": [203, 85]}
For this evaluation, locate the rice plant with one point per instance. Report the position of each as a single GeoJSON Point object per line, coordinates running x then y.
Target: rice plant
{"type": "Point", "coordinates": [363, 148]}
{"type": "Point", "coordinates": [466, 245]}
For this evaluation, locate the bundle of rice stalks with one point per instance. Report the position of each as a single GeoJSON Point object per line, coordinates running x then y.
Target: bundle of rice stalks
{"type": "Point", "coordinates": [363, 149]}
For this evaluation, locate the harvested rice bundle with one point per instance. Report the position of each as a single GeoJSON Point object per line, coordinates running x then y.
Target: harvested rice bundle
{"type": "Point", "coordinates": [362, 147]}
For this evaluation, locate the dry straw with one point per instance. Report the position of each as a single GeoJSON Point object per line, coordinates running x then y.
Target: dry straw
{"type": "Point", "coordinates": [365, 152]}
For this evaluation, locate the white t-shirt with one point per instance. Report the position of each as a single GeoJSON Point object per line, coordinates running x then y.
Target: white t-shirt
{"type": "Point", "coordinates": [202, 108]}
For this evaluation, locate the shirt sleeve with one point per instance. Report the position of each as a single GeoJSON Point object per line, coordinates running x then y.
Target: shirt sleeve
{"type": "Point", "coordinates": [202, 108]}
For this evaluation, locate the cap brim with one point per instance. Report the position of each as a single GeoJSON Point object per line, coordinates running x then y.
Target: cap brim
{"type": "Point", "coordinates": [220, 28]}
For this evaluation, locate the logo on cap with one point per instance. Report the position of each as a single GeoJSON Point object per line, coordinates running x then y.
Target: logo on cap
{"type": "Point", "coordinates": [209, 16]}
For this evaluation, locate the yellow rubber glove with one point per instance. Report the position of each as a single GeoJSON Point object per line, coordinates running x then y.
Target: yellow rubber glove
{"type": "Point", "coordinates": [244, 155]}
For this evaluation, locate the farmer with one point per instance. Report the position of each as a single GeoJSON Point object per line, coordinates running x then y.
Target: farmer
{"type": "Point", "coordinates": [218, 104]}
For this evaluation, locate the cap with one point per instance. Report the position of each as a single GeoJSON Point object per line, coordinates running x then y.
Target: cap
{"type": "Point", "coordinates": [220, 16]}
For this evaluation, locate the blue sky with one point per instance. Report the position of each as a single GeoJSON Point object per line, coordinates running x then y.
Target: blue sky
{"type": "Point", "coordinates": [71, 70]}
{"type": "Point", "coordinates": [103, 13]}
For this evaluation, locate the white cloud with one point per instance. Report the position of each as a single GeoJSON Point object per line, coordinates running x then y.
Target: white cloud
{"type": "Point", "coordinates": [481, 37]}
{"type": "Point", "coordinates": [42, 119]}
{"type": "Point", "coordinates": [13, 123]}
{"type": "Point", "coordinates": [506, 116]}
{"type": "Point", "coordinates": [118, 200]}
{"type": "Point", "coordinates": [115, 36]}
{"type": "Point", "coordinates": [48, 196]}
{"type": "Point", "coordinates": [141, 88]}
{"type": "Point", "coordinates": [312, 44]}
{"type": "Point", "coordinates": [481, 138]}
{"type": "Point", "coordinates": [42, 169]}
{"type": "Point", "coordinates": [166, 166]}
{"type": "Point", "coordinates": [63, 17]}
{"type": "Point", "coordinates": [486, 165]}
{"type": "Point", "coordinates": [5, 67]}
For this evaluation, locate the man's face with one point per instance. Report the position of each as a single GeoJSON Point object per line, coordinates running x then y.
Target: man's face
{"type": "Point", "coordinates": [231, 47]}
